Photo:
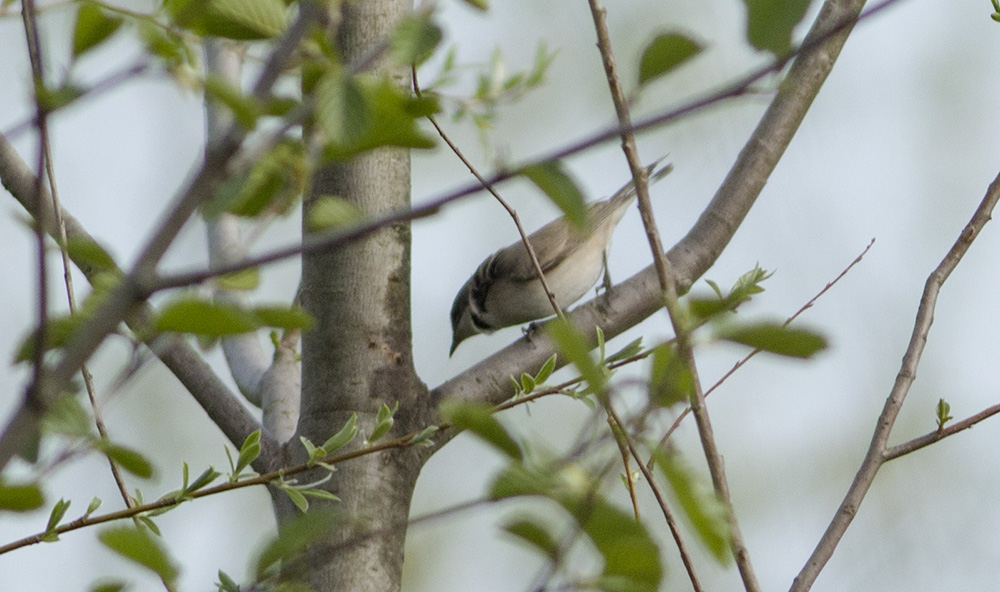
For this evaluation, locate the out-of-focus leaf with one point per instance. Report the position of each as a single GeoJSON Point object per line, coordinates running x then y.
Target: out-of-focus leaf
{"type": "Point", "coordinates": [128, 459]}
{"type": "Point", "coordinates": [294, 537]}
{"type": "Point", "coordinates": [670, 380]}
{"type": "Point", "coordinates": [139, 546]}
{"type": "Point", "coordinates": [556, 183]}
{"type": "Point", "coordinates": [665, 53]}
{"type": "Point", "coordinates": [776, 338]}
{"type": "Point", "coordinates": [284, 318]}
{"type": "Point", "coordinates": [330, 212]}
{"type": "Point", "coordinates": [115, 586]}
{"type": "Point", "coordinates": [478, 419]}
{"type": "Point", "coordinates": [85, 251]}
{"type": "Point", "coordinates": [93, 26]}
{"type": "Point", "coordinates": [273, 185]}
{"type": "Point", "coordinates": [770, 23]}
{"type": "Point", "coordinates": [631, 557]}
{"type": "Point", "coordinates": [703, 509]}
{"type": "Point", "coordinates": [190, 315]}
{"type": "Point", "coordinates": [535, 533]}
{"type": "Point", "coordinates": [67, 417]}
{"type": "Point", "coordinates": [391, 121]}
{"type": "Point", "coordinates": [415, 38]}
{"type": "Point", "coordinates": [245, 280]}
{"type": "Point", "coordinates": [231, 19]}
{"type": "Point", "coordinates": [517, 480]}
{"type": "Point", "coordinates": [342, 107]}
{"type": "Point", "coordinates": [20, 498]}
{"type": "Point", "coordinates": [58, 331]}
{"type": "Point", "coordinates": [576, 349]}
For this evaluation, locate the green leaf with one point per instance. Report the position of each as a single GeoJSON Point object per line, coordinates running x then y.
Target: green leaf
{"type": "Point", "coordinates": [295, 536]}
{"type": "Point", "coordinates": [527, 383]}
{"type": "Point", "coordinates": [139, 546]}
{"type": "Point", "coordinates": [517, 480]}
{"type": "Point", "coordinates": [670, 380]}
{"type": "Point", "coordinates": [86, 252]}
{"type": "Point", "coordinates": [284, 318]}
{"type": "Point", "coordinates": [248, 279]}
{"type": "Point", "coordinates": [546, 370]}
{"type": "Point", "coordinates": [147, 522]}
{"type": "Point", "coordinates": [52, 99]}
{"type": "Point", "coordinates": [535, 533]}
{"type": "Point", "coordinates": [128, 459]}
{"type": "Point", "coordinates": [92, 27]}
{"type": "Point", "coordinates": [67, 417]}
{"type": "Point", "coordinates": [297, 498]}
{"type": "Point", "coordinates": [206, 477]}
{"type": "Point", "coordinates": [478, 4]}
{"type": "Point", "coordinates": [632, 349]}
{"type": "Point", "coordinates": [190, 315]}
{"type": "Point", "coordinates": [478, 419]}
{"type": "Point", "coordinates": [699, 504]}
{"type": "Point", "coordinates": [776, 338]}
{"type": "Point", "coordinates": [343, 437]}
{"type": "Point", "coordinates": [342, 107]}
{"type": "Point", "coordinates": [770, 23]}
{"type": "Point", "coordinates": [424, 437]}
{"type": "Point", "coordinates": [244, 108]}
{"type": "Point", "coordinates": [95, 503]}
{"type": "Point", "coordinates": [415, 38]}
{"type": "Point", "coordinates": [273, 185]}
{"type": "Point", "coordinates": [383, 422]}
{"type": "Point", "coordinates": [20, 498]}
{"type": "Point", "coordinates": [232, 19]}
{"type": "Point", "coordinates": [943, 413]}
{"type": "Point", "coordinates": [555, 183]}
{"type": "Point", "coordinates": [115, 586]}
{"type": "Point", "coordinates": [58, 331]}
{"type": "Point", "coordinates": [392, 121]}
{"type": "Point", "coordinates": [576, 349]}
{"type": "Point", "coordinates": [226, 583]}
{"type": "Point", "coordinates": [319, 494]}
{"type": "Point", "coordinates": [249, 452]}
{"type": "Point", "coordinates": [664, 54]}
{"type": "Point", "coordinates": [56, 516]}
{"type": "Point", "coordinates": [631, 557]}
{"type": "Point", "coordinates": [332, 212]}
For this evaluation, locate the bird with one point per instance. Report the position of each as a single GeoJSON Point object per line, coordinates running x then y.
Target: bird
{"type": "Point", "coordinates": [504, 290]}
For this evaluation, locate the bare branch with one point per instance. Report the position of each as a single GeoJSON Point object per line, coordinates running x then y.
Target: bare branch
{"type": "Point", "coordinates": [878, 451]}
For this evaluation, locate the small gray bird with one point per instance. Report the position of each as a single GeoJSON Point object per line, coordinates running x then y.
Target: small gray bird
{"type": "Point", "coordinates": [505, 291]}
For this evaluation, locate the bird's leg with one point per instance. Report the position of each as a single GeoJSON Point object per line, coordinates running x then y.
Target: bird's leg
{"type": "Point", "coordinates": [606, 283]}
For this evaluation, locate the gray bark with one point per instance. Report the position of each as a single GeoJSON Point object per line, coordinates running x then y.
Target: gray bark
{"type": "Point", "coordinates": [359, 355]}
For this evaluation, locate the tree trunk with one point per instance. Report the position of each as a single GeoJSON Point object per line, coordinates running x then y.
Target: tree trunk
{"type": "Point", "coordinates": [359, 355]}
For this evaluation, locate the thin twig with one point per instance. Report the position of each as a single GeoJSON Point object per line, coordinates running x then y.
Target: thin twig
{"type": "Point", "coordinates": [878, 451]}
{"type": "Point", "coordinates": [618, 433]}
{"type": "Point", "coordinates": [668, 287]}
{"type": "Point", "coordinates": [661, 501]}
{"type": "Point", "coordinates": [489, 187]}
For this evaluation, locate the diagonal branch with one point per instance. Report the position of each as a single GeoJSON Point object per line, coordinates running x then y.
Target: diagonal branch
{"type": "Point", "coordinates": [178, 356]}
{"type": "Point", "coordinates": [878, 451]}
{"type": "Point", "coordinates": [639, 297]}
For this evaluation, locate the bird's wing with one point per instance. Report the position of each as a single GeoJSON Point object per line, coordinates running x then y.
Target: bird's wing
{"type": "Point", "coordinates": [512, 262]}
